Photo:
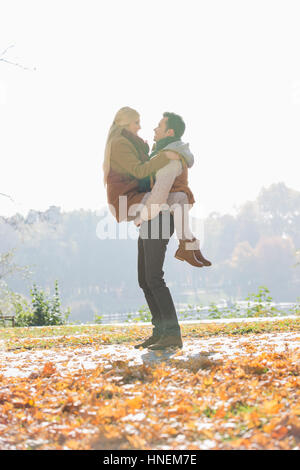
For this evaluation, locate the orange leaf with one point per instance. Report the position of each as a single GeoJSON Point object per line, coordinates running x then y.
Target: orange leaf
{"type": "Point", "coordinates": [48, 369]}
{"type": "Point", "coordinates": [136, 441]}
{"type": "Point", "coordinates": [135, 403]}
{"type": "Point", "coordinates": [279, 433]}
{"type": "Point", "coordinates": [73, 444]}
{"type": "Point", "coordinates": [271, 406]}
{"type": "Point", "coordinates": [220, 413]}
{"type": "Point", "coordinates": [268, 428]}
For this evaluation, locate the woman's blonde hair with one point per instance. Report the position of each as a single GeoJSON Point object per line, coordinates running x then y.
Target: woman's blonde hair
{"type": "Point", "coordinates": [122, 119]}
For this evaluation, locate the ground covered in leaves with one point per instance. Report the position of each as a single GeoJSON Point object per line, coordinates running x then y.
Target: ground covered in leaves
{"type": "Point", "coordinates": [232, 386]}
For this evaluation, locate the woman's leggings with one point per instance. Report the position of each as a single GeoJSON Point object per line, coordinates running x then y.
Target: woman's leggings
{"type": "Point", "coordinates": [177, 202]}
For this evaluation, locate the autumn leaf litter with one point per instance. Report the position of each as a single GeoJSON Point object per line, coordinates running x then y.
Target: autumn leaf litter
{"type": "Point", "coordinates": [220, 392]}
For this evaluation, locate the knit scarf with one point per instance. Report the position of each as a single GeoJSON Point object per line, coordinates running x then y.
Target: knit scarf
{"type": "Point", "coordinates": [145, 184]}
{"type": "Point", "coordinates": [141, 146]}
{"type": "Point", "coordinates": [162, 143]}
{"type": "Point", "coordinates": [143, 152]}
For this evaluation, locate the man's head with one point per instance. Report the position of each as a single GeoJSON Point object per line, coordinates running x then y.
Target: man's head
{"type": "Point", "coordinates": [171, 125]}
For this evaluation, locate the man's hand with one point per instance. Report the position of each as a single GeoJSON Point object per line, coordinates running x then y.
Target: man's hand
{"type": "Point", "coordinates": [171, 155]}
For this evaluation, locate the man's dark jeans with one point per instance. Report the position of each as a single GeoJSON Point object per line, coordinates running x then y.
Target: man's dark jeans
{"type": "Point", "coordinates": [152, 244]}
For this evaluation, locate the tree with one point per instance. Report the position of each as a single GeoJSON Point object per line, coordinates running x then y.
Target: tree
{"type": "Point", "coordinates": [7, 267]}
{"type": "Point", "coordinates": [275, 258]}
{"type": "Point", "coordinates": [280, 205]}
{"type": "Point", "coordinates": [3, 59]}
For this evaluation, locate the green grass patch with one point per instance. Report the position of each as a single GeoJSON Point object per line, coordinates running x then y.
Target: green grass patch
{"type": "Point", "coordinates": [75, 335]}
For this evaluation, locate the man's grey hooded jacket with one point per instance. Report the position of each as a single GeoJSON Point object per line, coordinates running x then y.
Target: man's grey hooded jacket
{"type": "Point", "coordinates": [183, 149]}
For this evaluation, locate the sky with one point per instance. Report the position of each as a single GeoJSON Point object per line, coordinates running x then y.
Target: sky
{"type": "Point", "coordinates": [230, 69]}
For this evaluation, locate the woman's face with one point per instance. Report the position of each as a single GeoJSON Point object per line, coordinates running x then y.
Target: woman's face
{"type": "Point", "coordinates": [134, 126]}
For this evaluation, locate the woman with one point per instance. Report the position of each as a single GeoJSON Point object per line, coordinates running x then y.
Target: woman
{"type": "Point", "coordinates": [126, 162]}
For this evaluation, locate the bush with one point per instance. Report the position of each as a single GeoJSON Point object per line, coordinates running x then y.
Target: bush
{"type": "Point", "coordinates": [98, 319]}
{"type": "Point", "coordinates": [261, 304]}
{"type": "Point", "coordinates": [11, 302]}
{"type": "Point", "coordinates": [143, 315]}
{"type": "Point", "coordinates": [44, 311]}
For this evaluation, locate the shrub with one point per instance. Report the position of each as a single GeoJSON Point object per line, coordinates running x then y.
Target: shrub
{"type": "Point", "coordinates": [143, 314]}
{"type": "Point", "coordinates": [44, 311]}
{"type": "Point", "coordinates": [98, 319]}
{"type": "Point", "coordinates": [261, 304]}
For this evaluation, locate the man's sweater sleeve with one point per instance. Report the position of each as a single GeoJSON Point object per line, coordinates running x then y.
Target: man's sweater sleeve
{"type": "Point", "coordinates": [129, 162]}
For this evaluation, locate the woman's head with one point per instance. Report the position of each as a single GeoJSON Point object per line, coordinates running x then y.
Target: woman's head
{"type": "Point", "coordinates": [126, 118]}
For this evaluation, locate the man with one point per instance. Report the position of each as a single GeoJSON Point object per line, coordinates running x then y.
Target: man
{"type": "Point", "coordinates": [151, 250]}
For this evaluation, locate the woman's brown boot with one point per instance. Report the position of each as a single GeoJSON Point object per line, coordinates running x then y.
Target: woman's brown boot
{"type": "Point", "coordinates": [188, 255]}
{"type": "Point", "coordinates": [192, 256]}
{"type": "Point", "coordinates": [201, 258]}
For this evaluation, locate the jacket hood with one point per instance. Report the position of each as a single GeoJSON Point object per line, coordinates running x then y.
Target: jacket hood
{"type": "Point", "coordinates": [183, 149]}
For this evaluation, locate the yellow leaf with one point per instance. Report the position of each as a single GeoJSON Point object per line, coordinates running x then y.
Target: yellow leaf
{"type": "Point", "coordinates": [268, 428]}
{"type": "Point", "coordinates": [190, 425]}
{"type": "Point", "coordinates": [170, 430]}
{"type": "Point", "coordinates": [271, 406]}
{"type": "Point", "coordinates": [135, 403]}
{"type": "Point", "coordinates": [136, 441]}
{"type": "Point", "coordinates": [73, 444]}
{"type": "Point", "coordinates": [208, 381]}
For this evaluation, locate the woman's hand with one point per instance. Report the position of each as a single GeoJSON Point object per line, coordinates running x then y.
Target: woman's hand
{"type": "Point", "coordinates": [137, 221]}
{"type": "Point", "coordinates": [171, 155]}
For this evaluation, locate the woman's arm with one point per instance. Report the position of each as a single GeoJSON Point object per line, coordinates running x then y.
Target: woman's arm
{"type": "Point", "coordinates": [124, 155]}
{"type": "Point", "coordinates": [171, 155]}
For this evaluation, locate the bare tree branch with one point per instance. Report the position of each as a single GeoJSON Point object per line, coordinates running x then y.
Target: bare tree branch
{"type": "Point", "coordinates": [6, 195]}
{"type": "Point", "coordinates": [7, 267]}
{"type": "Point", "coordinates": [5, 50]}
{"type": "Point", "coordinates": [13, 63]}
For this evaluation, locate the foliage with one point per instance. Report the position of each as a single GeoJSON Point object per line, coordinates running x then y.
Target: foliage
{"type": "Point", "coordinates": [8, 267]}
{"type": "Point", "coordinates": [261, 304]}
{"type": "Point", "coordinates": [254, 247]}
{"type": "Point", "coordinates": [143, 314]}
{"type": "Point", "coordinates": [43, 311]}
{"type": "Point", "coordinates": [213, 311]}
{"type": "Point", "coordinates": [258, 305]}
{"type": "Point", "coordinates": [72, 335]}
{"type": "Point", "coordinates": [245, 397]}
{"type": "Point", "coordinates": [189, 312]}
{"type": "Point", "coordinates": [98, 319]}
{"type": "Point", "coordinates": [295, 310]}
{"type": "Point", "coordinates": [12, 303]}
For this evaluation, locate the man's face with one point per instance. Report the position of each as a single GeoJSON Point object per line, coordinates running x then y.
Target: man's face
{"type": "Point", "coordinates": [161, 131]}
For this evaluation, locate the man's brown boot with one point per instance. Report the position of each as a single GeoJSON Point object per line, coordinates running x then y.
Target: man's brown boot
{"type": "Point", "coordinates": [148, 342]}
{"type": "Point", "coordinates": [167, 341]}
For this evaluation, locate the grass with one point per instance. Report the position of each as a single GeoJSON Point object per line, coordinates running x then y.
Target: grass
{"type": "Point", "coordinates": [73, 335]}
